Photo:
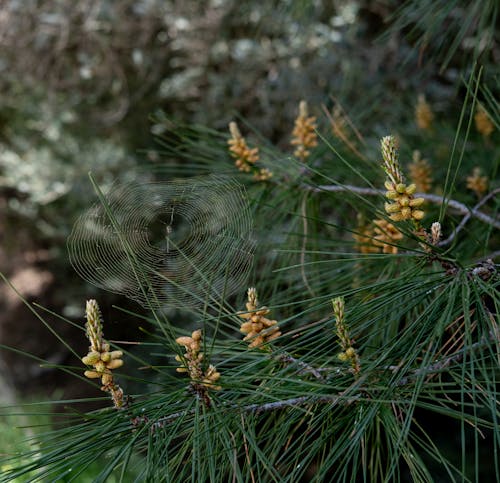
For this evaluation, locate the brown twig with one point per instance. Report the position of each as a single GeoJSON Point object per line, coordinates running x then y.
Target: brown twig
{"type": "Point", "coordinates": [333, 399]}
{"type": "Point", "coordinates": [304, 367]}
{"type": "Point", "coordinates": [467, 217]}
{"type": "Point", "coordinates": [447, 361]}
{"type": "Point", "coordinates": [256, 408]}
{"type": "Point", "coordinates": [439, 200]}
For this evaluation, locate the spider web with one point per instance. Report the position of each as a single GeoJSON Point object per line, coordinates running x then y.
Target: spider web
{"type": "Point", "coordinates": [177, 243]}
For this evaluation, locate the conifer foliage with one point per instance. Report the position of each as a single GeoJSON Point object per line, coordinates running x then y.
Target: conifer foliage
{"type": "Point", "coordinates": [379, 337]}
{"type": "Point", "coordinates": [366, 351]}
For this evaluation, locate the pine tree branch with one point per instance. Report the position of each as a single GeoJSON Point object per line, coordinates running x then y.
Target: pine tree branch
{"type": "Point", "coordinates": [467, 217]}
{"type": "Point", "coordinates": [333, 399]}
{"type": "Point", "coordinates": [439, 200]}
{"type": "Point", "coordinates": [490, 256]}
{"type": "Point", "coordinates": [301, 401]}
{"type": "Point", "coordinates": [304, 367]}
{"type": "Point", "coordinates": [447, 361]}
{"type": "Point", "coordinates": [254, 408]}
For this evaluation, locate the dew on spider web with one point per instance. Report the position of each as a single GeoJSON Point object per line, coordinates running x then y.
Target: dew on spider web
{"type": "Point", "coordinates": [170, 243]}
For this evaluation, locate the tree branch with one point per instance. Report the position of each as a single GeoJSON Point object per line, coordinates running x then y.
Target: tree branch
{"type": "Point", "coordinates": [304, 367]}
{"type": "Point", "coordinates": [467, 217]}
{"type": "Point", "coordinates": [447, 361]}
{"type": "Point", "coordinates": [333, 399]}
{"type": "Point", "coordinates": [439, 200]}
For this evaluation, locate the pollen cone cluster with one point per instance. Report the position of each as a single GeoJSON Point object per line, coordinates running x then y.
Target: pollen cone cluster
{"type": "Point", "coordinates": [423, 113]}
{"type": "Point", "coordinates": [339, 124]}
{"type": "Point", "coordinates": [477, 183]}
{"type": "Point", "coordinates": [378, 236]}
{"type": "Point", "coordinates": [349, 353]}
{"type": "Point", "coordinates": [403, 206]}
{"type": "Point", "coordinates": [258, 329]}
{"type": "Point", "coordinates": [100, 356]}
{"type": "Point", "coordinates": [192, 363]}
{"type": "Point", "coordinates": [245, 157]}
{"type": "Point", "coordinates": [263, 174]}
{"type": "Point", "coordinates": [304, 134]}
{"type": "Point", "coordinates": [483, 122]}
{"type": "Point", "coordinates": [420, 173]}
{"type": "Point", "coordinates": [364, 238]}
{"type": "Point", "coordinates": [386, 235]}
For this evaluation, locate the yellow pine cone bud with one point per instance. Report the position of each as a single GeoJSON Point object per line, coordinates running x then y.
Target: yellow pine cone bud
{"type": "Point", "coordinates": [484, 125]}
{"type": "Point", "coordinates": [423, 113]}
{"type": "Point", "coordinates": [185, 341]}
{"type": "Point", "coordinates": [258, 341]}
{"type": "Point", "coordinates": [397, 217]}
{"type": "Point", "coordinates": [386, 235]}
{"type": "Point", "coordinates": [258, 328]}
{"type": "Point", "coordinates": [92, 374]}
{"type": "Point", "coordinates": [350, 352]}
{"type": "Point", "coordinates": [211, 374]}
{"type": "Point", "coordinates": [106, 356]}
{"type": "Point", "coordinates": [100, 357]}
{"type": "Point", "coordinates": [114, 364]}
{"type": "Point", "coordinates": [192, 362]}
{"type": "Point", "coordinates": [410, 189]}
{"type": "Point", "coordinates": [263, 174]}
{"type": "Point", "coordinates": [416, 202]}
{"type": "Point", "coordinates": [252, 298]}
{"type": "Point", "coordinates": [392, 207]}
{"type": "Point", "coordinates": [417, 214]}
{"type": "Point", "coordinates": [245, 157]}
{"type": "Point", "coordinates": [342, 356]}
{"type": "Point", "coordinates": [477, 183]}
{"type": "Point", "coordinates": [106, 379]}
{"type": "Point", "coordinates": [116, 354]}
{"type": "Point", "coordinates": [304, 135]}
{"type": "Point", "coordinates": [274, 334]}
{"type": "Point", "coordinates": [404, 204]}
{"type": "Point", "coordinates": [420, 173]}
{"type": "Point", "coordinates": [91, 358]}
